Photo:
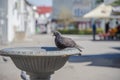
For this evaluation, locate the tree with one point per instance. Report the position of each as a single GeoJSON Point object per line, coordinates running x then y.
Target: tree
{"type": "Point", "coordinates": [116, 3]}
{"type": "Point", "coordinates": [65, 16]}
{"type": "Point", "coordinates": [99, 1]}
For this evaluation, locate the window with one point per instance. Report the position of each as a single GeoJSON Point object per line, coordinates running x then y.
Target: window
{"type": "Point", "coordinates": [77, 12]}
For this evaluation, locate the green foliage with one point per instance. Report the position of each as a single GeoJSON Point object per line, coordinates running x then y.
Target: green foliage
{"type": "Point", "coordinates": [116, 3]}
{"type": "Point", "coordinates": [99, 30]}
{"type": "Point", "coordinates": [99, 1]}
{"type": "Point", "coordinates": [74, 31]}
{"type": "Point", "coordinates": [81, 32]}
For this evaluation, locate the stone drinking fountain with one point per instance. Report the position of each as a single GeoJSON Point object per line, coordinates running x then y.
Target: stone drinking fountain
{"type": "Point", "coordinates": [39, 62]}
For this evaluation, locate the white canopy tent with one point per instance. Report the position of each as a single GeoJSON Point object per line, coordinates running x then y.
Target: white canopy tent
{"type": "Point", "coordinates": [102, 11]}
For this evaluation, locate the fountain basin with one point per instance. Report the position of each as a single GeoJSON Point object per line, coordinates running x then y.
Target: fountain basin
{"type": "Point", "coordinates": [39, 62]}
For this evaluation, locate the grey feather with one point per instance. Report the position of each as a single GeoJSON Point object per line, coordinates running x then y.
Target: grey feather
{"type": "Point", "coordinates": [64, 42]}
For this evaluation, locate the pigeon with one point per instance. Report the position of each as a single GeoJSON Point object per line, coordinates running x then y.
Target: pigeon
{"type": "Point", "coordinates": [64, 42]}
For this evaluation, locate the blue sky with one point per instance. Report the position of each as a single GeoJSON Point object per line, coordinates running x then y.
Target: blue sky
{"type": "Point", "coordinates": [41, 2]}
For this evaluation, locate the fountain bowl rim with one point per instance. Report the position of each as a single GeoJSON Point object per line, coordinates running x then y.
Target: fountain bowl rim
{"type": "Point", "coordinates": [38, 51]}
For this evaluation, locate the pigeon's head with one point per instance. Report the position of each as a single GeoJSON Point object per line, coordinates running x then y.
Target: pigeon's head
{"type": "Point", "coordinates": [56, 33]}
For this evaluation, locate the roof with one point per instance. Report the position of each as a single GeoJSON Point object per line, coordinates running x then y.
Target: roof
{"type": "Point", "coordinates": [102, 11]}
{"type": "Point", "coordinates": [44, 9]}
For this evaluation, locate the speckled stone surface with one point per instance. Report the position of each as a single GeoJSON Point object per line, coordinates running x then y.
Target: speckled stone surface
{"type": "Point", "coordinates": [39, 62]}
{"type": "Point", "coordinates": [38, 51]}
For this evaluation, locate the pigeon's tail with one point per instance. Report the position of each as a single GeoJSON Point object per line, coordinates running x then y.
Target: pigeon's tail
{"type": "Point", "coordinates": [79, 48]}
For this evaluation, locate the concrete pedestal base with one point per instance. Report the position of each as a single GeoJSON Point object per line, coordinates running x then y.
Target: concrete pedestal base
{"type": "Point", "coordinates": [40, 76]}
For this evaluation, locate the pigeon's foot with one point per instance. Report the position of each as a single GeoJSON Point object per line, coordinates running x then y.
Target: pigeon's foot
{"type": "Point", "coordinates": [79, 54]}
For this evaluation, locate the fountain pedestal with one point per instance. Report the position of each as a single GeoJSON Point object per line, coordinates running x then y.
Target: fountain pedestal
{"type": "Point", "coordinates": [40, 76]}
{"type": "Point", "coordinates": [39, 62]}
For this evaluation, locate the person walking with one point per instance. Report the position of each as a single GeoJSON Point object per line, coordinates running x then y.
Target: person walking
{"type": "Point", "coordinates": [107, 27]}
{"type": "Point", "coordinates": [94, 30]}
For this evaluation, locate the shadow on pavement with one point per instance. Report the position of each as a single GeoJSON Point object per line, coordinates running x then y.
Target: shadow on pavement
{"type": "Point", "coordinates": [106, 60]}
{"type": "Point", "coordinates": [117, 48]}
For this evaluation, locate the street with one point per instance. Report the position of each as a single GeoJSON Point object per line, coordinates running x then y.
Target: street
{"type": "Point", "coordinates": [100, 60]}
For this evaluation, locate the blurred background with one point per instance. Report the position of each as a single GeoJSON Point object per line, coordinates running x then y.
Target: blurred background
{"type": "Point", "coordinates": [92, 24]}
{"type": "Point", "coordinates": [20, 19]}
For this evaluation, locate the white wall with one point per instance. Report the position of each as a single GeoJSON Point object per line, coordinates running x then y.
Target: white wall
{"type": "Point", "coordinates": [17, 19]}
{"type": "Point", "coordinates": [11, 20]}
{"type": "Point", "coordinates": [30, 21]}
{"type": "Point", "coordinates": [21, 15]}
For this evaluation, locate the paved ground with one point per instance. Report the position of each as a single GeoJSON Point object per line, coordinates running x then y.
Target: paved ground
{"type": "Point", "coordinates": [100, 59]}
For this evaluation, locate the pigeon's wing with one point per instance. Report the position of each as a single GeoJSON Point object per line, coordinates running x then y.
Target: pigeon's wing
{"type": "Point", "coordinates": [68, 42]}
{"type": "Point", "coordinates": [59, 43]}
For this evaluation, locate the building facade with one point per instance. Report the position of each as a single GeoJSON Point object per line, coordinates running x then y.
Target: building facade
{"type": "Point", "coordinates": [7, 19]}
{"type": "Point", "coordinates": [3, 20]}
{"type": "Point", "coordinates": [75, 8]}
{"type": "Point", "coordinates": [15, 16]}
